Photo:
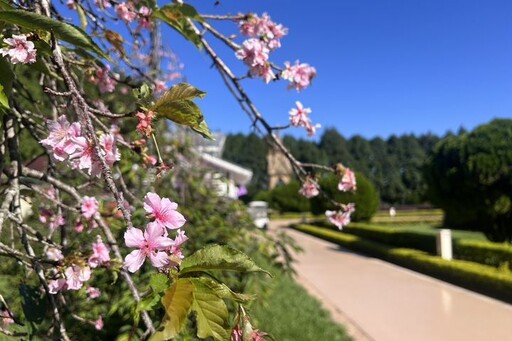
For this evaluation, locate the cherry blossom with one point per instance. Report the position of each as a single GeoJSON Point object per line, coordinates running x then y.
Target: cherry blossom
{"type": "Point", "coordinates": [144, 19]}
{"type": "Point", "coordinates": [256, 27]}
{"type": "Point", "coordinates": [253, 52]}
{"type": "Point", "coordinates": [108, 144]}
{"type": "Point", "coordinates": [102, 78]}
{"type": "Point", "coordinates": [50, 219]}
{"type": "Point", "coordinates": [175, 248]}
{"type": "Point", "coordinates": [54, 254]}
{"type": "Point", "coordinates": [100, 255]}
{"type": "Point", "coordinates": [145, 127]}
{"type": "Point", "coordinates": [299, 75]}
{"type": "Point", "coordinates": [309, 189]}
{"type": "Point", "coordinates": [299, 115]}
{"type": "Point", "coordinates": [92, 293]}
{"type": "Point", "coordinates": [89, 207]}
{"type": "Point", "coordinates": [84, 157]}
{"type": "Point", "coordinates": [164, 211]}
{"type": "Point", "coordinates": [6, 318]}
{"type": "Point", "coordinates": [98, 324]}
{"type": "Point", "coordinates": [338, 218]}
{"type": "Point", "coordinates": [348, 181]}
{"type": "Point", "coordinates": [76, 276]}
{"type": "Point", "coordinates": [312, 128]}
{"type": "Point", "coordinates": [60, 139]}
{"type": "Point", "coordinates": [149, 243]}
{"type": "Point", "coordinates": [125, 12]}
{"type": "Point", "coordinates": [20, 50]}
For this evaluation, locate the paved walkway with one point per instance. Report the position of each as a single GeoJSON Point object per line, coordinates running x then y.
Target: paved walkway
{"type": "Point", "coordinates": [379, 301]}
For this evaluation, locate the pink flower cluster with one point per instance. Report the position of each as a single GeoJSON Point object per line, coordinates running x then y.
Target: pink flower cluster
{"type": "Point", "coordinates": [66, 142]}
{"type": "Point", "coordinates": [254, 53]}
{"type": "Point", "coordinates": [51, 219]}
{"type": "Point", "coordinates": [299, 75]}
{"type": "Point", "coordinates": [102, 78]}
{"type": "Point", "coordinates": [309, 189]}
{"type": "Point", "coordinates": [299, 118]}
{"type": "Point", "coordinates": [340, 218]}
{"type": "Point", "coordinates": [154, 242]}
{"type": "Point", "coordinates": [145, 127]}
{"type": "Point", "coordinates": [347, 181]}
{"type": "Point", "coordinates": [127, 12]}
{"type": "Point", "coordinates": [263, 28]}
{"type": "Point", "coordinates": [20, 50]}
{"type": "Point", "coordinates": [265, 36]}
{"type": "Point", "coordinates": [74, 278]}
{"type": "Point", "coordinates": [90, 207]}
{"type": "Point", "coordinates": [100, 254]}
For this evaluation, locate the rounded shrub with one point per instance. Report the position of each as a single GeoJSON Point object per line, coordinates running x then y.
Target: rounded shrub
{"type": "Point", "coordinates": [365, 197]}
{"type": "Point", "coordinates": [470, 178]}
{"type": "Point", "coordinates": [286, 198]}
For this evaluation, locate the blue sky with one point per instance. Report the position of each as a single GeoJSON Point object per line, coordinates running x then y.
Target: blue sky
{"type": "Point", "coordinates": [384, 67]}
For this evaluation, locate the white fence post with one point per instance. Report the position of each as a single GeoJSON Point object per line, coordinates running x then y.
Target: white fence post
{"type": "Point", "coordinates": [444, 244]}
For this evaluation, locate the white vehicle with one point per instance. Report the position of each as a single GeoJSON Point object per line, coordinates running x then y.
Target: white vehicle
{"type": "Point", "coordinates": [259, 212]}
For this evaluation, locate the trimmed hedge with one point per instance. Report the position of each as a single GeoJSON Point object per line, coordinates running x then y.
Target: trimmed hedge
{"type": "Point", "coordinates": [487, 253]}
{"type": "Point", "coordinates": [481, 278]}
{"type": "Point", "coordinates": [493, 254]}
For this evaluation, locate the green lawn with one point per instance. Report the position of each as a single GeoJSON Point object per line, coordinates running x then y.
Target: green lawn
{"type": "Point", "coordinates": [289, 313]}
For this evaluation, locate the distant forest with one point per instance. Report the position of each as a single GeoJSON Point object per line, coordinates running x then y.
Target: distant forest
{"type": "Point", "coordinates": [394, 165]}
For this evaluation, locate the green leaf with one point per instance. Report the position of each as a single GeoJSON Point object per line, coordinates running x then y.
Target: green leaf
{"type": "Point", "coordinates": [67, 32]}
{"type": "Point", "coordinates": [223, 291]}
{"type": "Point", "coordinates": [33, 303]}
{"type": "Point", "coordinates": [217, 257]}
{"type": "Point", "coordinates": [176, 104]}
{"type": "Point", "coordinates": [159, 282]}
{"type": "Point", "coordinates": [5, 5]}
{"type": "Point", "coordinates": [82, 16]}
{"type": "Point", "coordinates": [6, 76]}
{"type": "Point", "coordinates": [176, 15]}
{"type": "Point", "coordinates": [177, 303]}
{"type": "Point", "coordinates": [212, 313]}
{"type": "Point", "coordinates": [148, 303]}
{"type": "Point", "coordinates": [4, 101]}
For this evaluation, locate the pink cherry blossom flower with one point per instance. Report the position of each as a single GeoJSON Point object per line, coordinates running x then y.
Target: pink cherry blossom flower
{"type": "Point", "coordinates": [54, 254]}
{"type": "Point", "coordinates": [92, 293]}
{"type": "Point", "coordinates": [105, 82]}
{"type": "Point", "coordinates": [299, 115]}
{"type": "Point", "coordinates": [76, 276]}
{"type": "Point", "coordinates": [126, 12]}
{"type": "Point", "coordinates": [164, 211]}
{"type": "Point", "coordinates": [100, 254]}
{"type": "Point", "coordinates": [20, 50]}
{"type": "Point", "coordinates": [299, 75]}
{"type": "Point", "coordinates": [98, 324]}
{"type": "Point", "coordinates": [263, 71]}
{"type": "Point", "coordinates": [348, 181]}
{"type": "Point", "coordinates": [52, 220]}
{"type": "Point", "coordinates": [108, 144]}
{"type": "Point", "coordinates": [144, 19]}
{"type": "Point", "coordinates": [264, 28]}
{"type": "Point", "coordinates": [56, 285]}
{"type": "Point", "coordinates": [89, 207]}
{"type": "Point", "coordinates": [60, 139]}
{"type": "Point", "coordinates": [237, 333]}
{"type": "Point", "coordinates": [84, 157]}
{"type": "Point", "coordinates": [312, 128]}
{"type": "Point", "coordinates": [253, 53]}
{"type": "Point", "coordinates": [79, 227]}
{"type": "Point", "coordinates": [149, 244]}
{"type": "Point", "coordinates": [338, 218]}
{"type": "Point", "coordinates": [309, 189]}
{"type": "Point", "coordinates": [160, 86]}
{"type": "Point", "coordinates": [6, 318]}
{"type": "Point", "coordinates": [175, 249]}
{"type": "Point", "coordinates": [145, 127]}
